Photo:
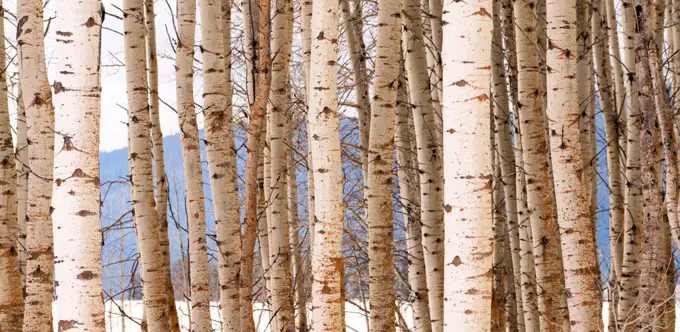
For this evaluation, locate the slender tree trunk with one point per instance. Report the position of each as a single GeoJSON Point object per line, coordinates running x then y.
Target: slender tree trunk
{"type": "Point", "coordinates": [433, 41]}
{"type": "Point", "coordinates": [11, 297]}
{"type": "Point", "coordinates": [251, 25]}
{"type": "Point", "coordinates": [294, 227]}
{"type": "Point", "coordinates": [541, 209]}
{"type": "Point", "coordinates": [429, 160]}
{"type": "Point", "coordinates": [467, 167]}
{"type": "Point", "coordinates": [608, 108]}
{"type": "Point", "coordinates": [139, 150]}
{"type": "Point", "coordinates": [227, 224]}
{"type": "Point", "coordinates": [352, 23]}
{"type": "Point", "coordinates": [617, 67]}
{"type": "Point", "coordinates": [161, 194]}
{"type": "Point", "coordinates": [499, 295]}
{"type": "Point", "coordinates": [327, 285]}
{"type": "Point", "coordinates": [506, 163]}
{"type": "Point", "coordinates": [253, 148]}
{"type": "Point", "coordinates": [379, 181]}
{"type": "Point", "coordinates": [632, 223]}
{"type": "Point", "coordinates": [21, 156]}
{"type": "Point", "coordinates": [40, 122]}
{"type": "Point", "coordinates": [282, 293]}
{"type": "Point", "coordinates": [409, 192]}
{"type": "Point", "coordinates": [651, 191]}
{"type": "Point", "coordinates": [76, 200]}
{"type": "Point", "coordinates": [579, 252]}
{"type": "Point", "coordinates": [191, 155]}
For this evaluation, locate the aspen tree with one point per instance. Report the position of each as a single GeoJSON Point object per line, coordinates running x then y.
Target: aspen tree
{"type": "Point", "coordinates": [617, 67]}
{"type": "Point", "coordinates": [76, 200]}
{"type": "Point", "coordinates": [161, 194]}
{"type": "Point", "coordinates": [40, 122]}
{"type": "Point", "coordinates": [467, 166]}
{"type": "Point", "coordinates": [191, 156]}
{"type": "Point", "coordinates": [540, 206]}
{"type": "Point", "coordinates": [506, 160]}
{"type": "Point", "coordinates": [579, 252]}
{"type": "Point", "coordinates": [528, 273]}
{"type": "Point", "coordinates": [651, 191]}
{"type": "Point", "coordinates": [228, 231]}
{"type": "Point", "coordinates": [277, 221]}
{"type": "Point", "coordinates": [409, 193]}
{"type": "Point", "coordinates": [429, 159]}
{"type": "Point", "coordinates": [327, 264]}
{"type": "Point", "coordinates": [306, 32]}
{"type": "Point", "coordinates": [379, 181]}
{"type": "Point", "coordinates": [254, 132]}
{"type": "Point", "coordinates": [139, 154]}
{"type": "Point", "coordinates": [21, 156]}
{"type": "Point", "coordinates": [433, 40]}
{"type": "Point", "coordinates": [498, 313]}
{"type": "Point", "coordinates": [357, 54]}
{"type": "Point", "coordinates": [11, 297]}
{"type": "Point", "coordinates": [603, 67]}
{"type": "Point", "coordinates": [632, 223]}
{"type": "Point", "coordinates": [298, 270]}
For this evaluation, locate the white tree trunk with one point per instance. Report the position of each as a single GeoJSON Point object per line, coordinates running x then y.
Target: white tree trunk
{"type": "Point", "coordinates": [380, 160]}
{"type": "Point", "coordinates": [160, 179]}
{"type": "Point", "coordinates": [11, 297]}
{"type": "Point", "coordinates": [139, 151]}
{"type": "Point", "coordinates": [581, 272]}
{"type": "Point", "coordinates": [409, 193]}
{"type": "Point", "coordinates": [21, 156]}
{"type": "Point", "coordinates": [429, 159]}
{"type": "Point", "coordinates": [76, 200]}
{"type": "Point", "coordinates": [40, 121]}
{"type": "Point", "coordinates": [467, 166]}
{"type": "Point", "coordinates": [327, 285]}
{"type": "Point", "coordinates": [191, 156]}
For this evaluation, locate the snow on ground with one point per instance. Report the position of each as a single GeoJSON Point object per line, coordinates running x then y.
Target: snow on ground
{"type": "Point", "coordinates": [124, 316]}
{"type": "Point", "coordinates": [127, 319]}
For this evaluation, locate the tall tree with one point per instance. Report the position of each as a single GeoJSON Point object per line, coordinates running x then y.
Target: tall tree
{"type": "Point", "coordinates": [191, 156]}
{"type": "Point", "coordinates": [541, 208]}
{"type": "Point", "coordinates": [76, 200]}
{"type": "Point", "coordinates": [40, 122]}
{"type": "Point", "coordinates": [279, 96]}
{"type": "Point", "coordinates": [161, 181]}
{"type": "Point", "coordinates": [506, 163]}
{"type": "Point", "coordinates": [573, 212]}
{"type": "Point", "coordinates": [467, 166]}
{"type": "Point", "coordinates": [21, 156]}
{"type": "Point", "coordinates": [380, 160]}
{"type": "Point", "coordinates": [257, 111]}
{"type": "Point", "coordinates": [327, 285]}
{"type": "Point", "coordinates": [11, 297]}
{"type": "Point", "coordinates": [429, 159]}
{"type": "Point", "coordinates": [228, 230]}
{"type": "Point", "coordinates": [139, 154]}
{"type": "Point", "coordinates": [409, 194]}
{"type": "Point", "coordinates": [633, 216]}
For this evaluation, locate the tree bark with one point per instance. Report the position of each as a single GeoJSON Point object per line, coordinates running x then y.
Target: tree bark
{"type": "Point", "coordinates": [40, 121]}
{"type": "Point", "coordinates": [327, 286]}
{"type": "Point", "coordinates": [467, 166]}
{"type": "Point", "coordinates": [254, 131]}
{"type": "Point", "coordinates": [380, 160]}
{"type": "Point", "coordinates": [76, 200]}
{"type": "Point", "coordinates": [579, 252]}
{"type": "Point", "coordinates": [541, 208]}
{"type": "Point", "coordinates": [429, 160]}
{"type": "Point", "coordinates": [191, 155]}
{"type": "Point", "coordinates": [139, 151]}
{"type": "Point", "coordinates": [11, 297]}
{"type": "Point", "coordinates": [506, 163]}
{"type": "Point", "coordinates": [409, 192]}
{"type": "Point", "coordinates": [161, 181]}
